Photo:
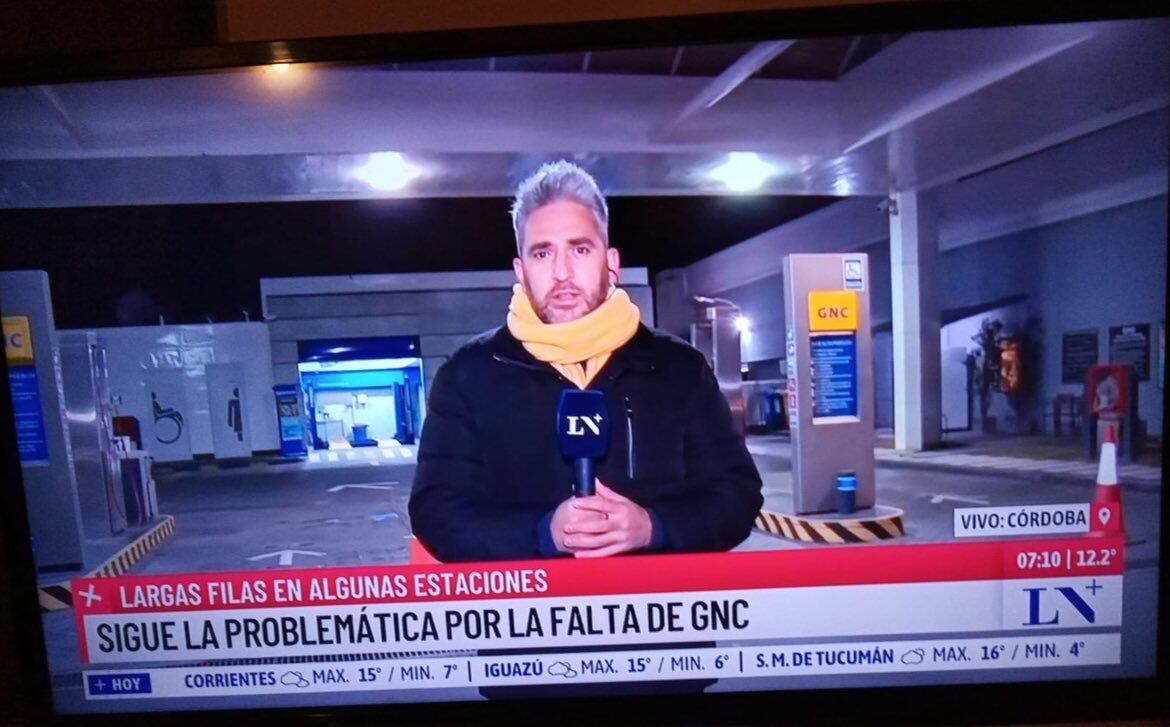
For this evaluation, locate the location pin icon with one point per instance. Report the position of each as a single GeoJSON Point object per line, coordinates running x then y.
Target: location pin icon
{"type": "Point", "coordinates": [1103, 514]}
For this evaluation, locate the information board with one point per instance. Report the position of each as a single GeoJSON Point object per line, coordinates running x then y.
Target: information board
{"type": "Point", "coordinates": [31, 442]}
{"type": "Point", "coordinates": [1131, 345]}
{"type": "Point", "coordinates": [834, 376]}
{"type": "Point", "coordinates": [1078, 351]}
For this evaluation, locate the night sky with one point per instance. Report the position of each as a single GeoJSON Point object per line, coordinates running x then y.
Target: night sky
{"type": "Point", "coordinates": [124, 265]}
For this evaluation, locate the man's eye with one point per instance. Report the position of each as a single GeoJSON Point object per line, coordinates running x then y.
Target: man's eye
{"type": "Point", "coordinates": [540, 254]}
{"type": "Point", "coordinates": [583, 249]}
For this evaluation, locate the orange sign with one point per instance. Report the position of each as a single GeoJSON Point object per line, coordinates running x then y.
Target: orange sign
{"type": "Point", "coordinates": [833, 310]}
{"type": "Point", "coordinates": [17, 340]}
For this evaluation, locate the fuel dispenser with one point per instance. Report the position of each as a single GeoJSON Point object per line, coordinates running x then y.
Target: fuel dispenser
{"type": "Point", "coordinates": [292, 424]}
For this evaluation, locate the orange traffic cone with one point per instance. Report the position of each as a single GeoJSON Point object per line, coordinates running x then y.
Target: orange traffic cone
{"type": "Point", "coordinates": [418, 553]}
{"type": "Point", "coordinates": [1106, 514]}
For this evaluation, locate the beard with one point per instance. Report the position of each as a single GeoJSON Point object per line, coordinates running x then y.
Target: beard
{"type": "Point", "coordinates": [588, 301]}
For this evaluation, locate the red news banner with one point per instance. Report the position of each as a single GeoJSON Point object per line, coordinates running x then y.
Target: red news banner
{"type": "Point", "coordinates": [1068, 583]}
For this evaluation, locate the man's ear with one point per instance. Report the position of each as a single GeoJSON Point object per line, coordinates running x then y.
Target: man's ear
{"type": "Point", "coordinates": [518, 268]}
{"type": "Point", "coordinates": [613, 261]}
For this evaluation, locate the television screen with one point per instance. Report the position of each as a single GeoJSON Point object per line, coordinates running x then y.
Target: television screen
{"type": "Point", "coordinates": [794, 362]}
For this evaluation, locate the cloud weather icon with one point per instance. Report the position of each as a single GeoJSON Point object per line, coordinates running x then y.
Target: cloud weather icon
{"type": "Point", "coordinates": [562, 669]}
{"type": "Point", "coordinates": [294, 679]}
{"type": "Point", "coordinates": [914, 656]}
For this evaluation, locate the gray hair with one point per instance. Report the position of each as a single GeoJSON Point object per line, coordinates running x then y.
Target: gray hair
{"type": "Point", "coordinates": [554, 182]}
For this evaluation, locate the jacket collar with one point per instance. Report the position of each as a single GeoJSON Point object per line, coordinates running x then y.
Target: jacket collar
{"type": "Point", "coordinates": [635, 355]}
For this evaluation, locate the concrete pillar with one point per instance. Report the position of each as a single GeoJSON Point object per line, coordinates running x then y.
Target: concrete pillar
{"type": "Point", "coordinates": [673, 305]}
{"type": "Point", "coordinates": [914, 266]}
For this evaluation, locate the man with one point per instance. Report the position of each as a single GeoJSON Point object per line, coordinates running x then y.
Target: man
{"type": "Point", "coordinates": [491, 483]}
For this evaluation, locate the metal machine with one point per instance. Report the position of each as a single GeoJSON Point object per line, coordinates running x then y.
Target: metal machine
{"type": "Point", "coordinates": [89, 419]}
{"type": "Point", "coordinates": [718, 338]}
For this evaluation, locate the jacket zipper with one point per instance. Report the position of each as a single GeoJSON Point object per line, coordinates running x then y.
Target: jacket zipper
{"type": "Point", "coordinates": [629, 438]}
{"type": "Point", "coordinates": [539, 369]}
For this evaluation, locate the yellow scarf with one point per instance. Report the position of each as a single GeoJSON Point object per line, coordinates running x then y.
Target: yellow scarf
{"type": "Point", "coordinates": [577, 349]}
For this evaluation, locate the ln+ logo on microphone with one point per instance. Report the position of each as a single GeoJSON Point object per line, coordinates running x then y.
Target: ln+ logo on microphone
{"type": "Point", "coordinates": [593, 424]}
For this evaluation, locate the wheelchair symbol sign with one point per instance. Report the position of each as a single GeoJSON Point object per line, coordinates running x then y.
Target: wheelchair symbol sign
{"type": "Point", "coordinates": [168, 421]}
{"type": "Point", "coordinates": [853, 274]}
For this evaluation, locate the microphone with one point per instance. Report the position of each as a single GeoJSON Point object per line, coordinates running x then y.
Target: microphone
{"type": "Point", "coordinates": [583, 434]}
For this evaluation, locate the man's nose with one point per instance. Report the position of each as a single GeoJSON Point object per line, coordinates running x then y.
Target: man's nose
{"type": "Point", "coordinates": [563, 267]}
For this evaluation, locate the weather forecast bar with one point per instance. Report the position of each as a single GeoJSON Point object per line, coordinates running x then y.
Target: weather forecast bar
{"type": "Point", "coordinates": [789, 660]}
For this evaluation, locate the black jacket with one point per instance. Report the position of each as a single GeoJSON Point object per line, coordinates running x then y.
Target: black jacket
{"type": "Point", "coordinates": [490, 470]}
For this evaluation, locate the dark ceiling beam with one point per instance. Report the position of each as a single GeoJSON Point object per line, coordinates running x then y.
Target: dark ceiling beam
{"type": "Point", "coordinates": [719, 87]}
{"type": "Point", "coordinates": [51, 101]}
{"type": "Point", "coordinates": [853, 44]}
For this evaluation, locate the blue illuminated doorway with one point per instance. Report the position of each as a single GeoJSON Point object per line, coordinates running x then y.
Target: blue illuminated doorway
{"type": "Point", "coordinates": [362, 392]}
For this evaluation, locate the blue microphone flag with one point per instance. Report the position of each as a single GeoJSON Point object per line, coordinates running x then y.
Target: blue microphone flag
{"type": "Point", "coordinates": [583, 424]}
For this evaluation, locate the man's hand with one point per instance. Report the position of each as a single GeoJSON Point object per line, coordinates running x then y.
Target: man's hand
{"type": "Point", "coordinates": [571, 517]}
{"type": "Point", "coordinates": [601, 525]}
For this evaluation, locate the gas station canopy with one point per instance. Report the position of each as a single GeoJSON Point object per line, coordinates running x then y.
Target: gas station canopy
{"type": "Point", "coordinates": [922, 111]}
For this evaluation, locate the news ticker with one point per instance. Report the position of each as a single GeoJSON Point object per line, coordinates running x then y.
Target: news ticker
{"type": "Point", "coordinates": [875, 657]}
{"type": "Point", "coordinates": [816, 612]}
{"type": "Point", "coordinates": [919, 590]}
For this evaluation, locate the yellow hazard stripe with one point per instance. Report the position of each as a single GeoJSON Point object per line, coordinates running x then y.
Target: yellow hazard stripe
{"type": "Point", "coordinates": [818, 530]}
{"type": "Point", "coordinates": [59, 596]}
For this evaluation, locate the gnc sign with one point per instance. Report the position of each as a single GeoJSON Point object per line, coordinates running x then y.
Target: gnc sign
{"type": "Point", "coordinates": [832, 310]}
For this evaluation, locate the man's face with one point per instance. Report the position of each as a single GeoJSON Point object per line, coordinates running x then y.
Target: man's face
{"type": "Point", "coordinates": [565, 267]}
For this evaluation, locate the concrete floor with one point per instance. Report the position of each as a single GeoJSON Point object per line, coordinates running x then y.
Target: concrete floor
{"type": "Point", "coordinates": [356, 515]}
{"type": "Point", "coordinates": [351, 515]}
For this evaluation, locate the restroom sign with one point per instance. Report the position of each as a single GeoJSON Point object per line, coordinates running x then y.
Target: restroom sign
{"type": "Point", "coordinates": [832, 310]}
{"type": "Point", "coordinates": [17, 340]}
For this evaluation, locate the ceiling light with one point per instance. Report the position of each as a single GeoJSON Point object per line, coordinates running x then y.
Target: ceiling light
{"type": "Point", "coordinates": [842, 187]}
{"type": "Point", "coordinates": [743, 171]}
{"type": "Point", "coordinates": [387, 171]}
{"type": "Point", "coordinates": [281, 67]}
{"type": "Point", "coordinates": [743, 324]}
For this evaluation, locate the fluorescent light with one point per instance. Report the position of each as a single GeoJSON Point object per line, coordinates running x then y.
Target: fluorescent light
{"type": "Point", "coordinates": [841, 186]}
{"type": "Point", "coordinates": [387, 171]}
{"type": "Point", "coordinates": [743, 171]}
{"type": "Point", "coordinates": [743, 324]}
{"type": "Point", "coordinates": [281, 67]}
